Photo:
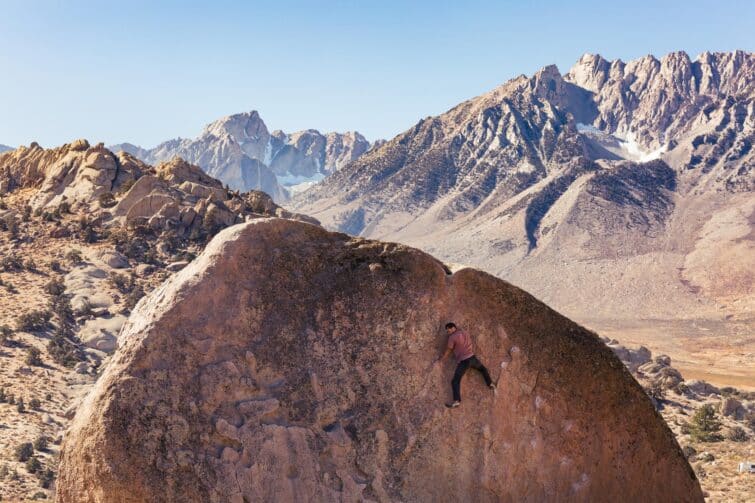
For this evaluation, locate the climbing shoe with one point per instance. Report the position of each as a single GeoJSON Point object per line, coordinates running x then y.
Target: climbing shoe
{"type": "Point", "coordinates": [453, 405]}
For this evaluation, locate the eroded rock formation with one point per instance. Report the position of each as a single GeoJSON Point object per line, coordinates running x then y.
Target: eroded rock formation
{"type": "Point", "coordinates": [174, 195]}
{"type": "Point", "coordinates": [288, 363]}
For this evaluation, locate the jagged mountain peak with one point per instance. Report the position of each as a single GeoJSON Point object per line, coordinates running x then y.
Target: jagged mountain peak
{"type": "Point", "coordinates": [240, 150]}
{"type": "Point", "coordinates": [560, 162]}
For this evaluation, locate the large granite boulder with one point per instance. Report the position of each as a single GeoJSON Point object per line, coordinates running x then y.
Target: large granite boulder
{"type": "Point", "coordinates": [288, 363]}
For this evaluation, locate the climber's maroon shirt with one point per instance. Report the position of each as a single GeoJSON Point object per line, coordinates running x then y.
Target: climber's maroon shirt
{"type": "Point", "coordinates": [461, 343]}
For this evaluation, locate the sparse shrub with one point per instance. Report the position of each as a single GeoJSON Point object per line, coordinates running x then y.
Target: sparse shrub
{"type": "Point", "coordinates": [20, 407]}
{"type": "Point", "coordinates": [24, 451]}
{"type": "Point", "coordinates": [55, 287]}
{"type": "Point", "coordinates": [197, 235]}
{"type": "Point", "coordinates": [87, 232]}
{"type": "Point", "coordinates": [11, 399]}
{"type": "Point", "coordinates": [33, 357]}
{"type": "Point", "coordinates": [171, 241]}
{"type": "Point", "coordinates": [6, 335]}
{"type": "Point", "coordinates": [4, 471]}
{"type": "Point", "coordinates": [705, 425]}
{"type": "Point", "coordinates": [45, 478]}
{"type": "Point", "coordinates": [9, 286]}
{"type": "Point", "coordinates": [33, 465]}
{"type": "Point", "coordinates": [55, 266]}
{"type": "Point", "coordinates": [121, 282]}
{"type": "Point", "coordinates": [63, 349]}
{"type": "Point", "coordinates": [133, 297]}
{"type": "Point", "coordinates": [40, 444]}
{"type": "Point", "coordinates": [30, 265]}
{"type": "Point", "coordinates": [737, 434]}
{"type": "Point", "coordinates": [137, 248]}
{"type": "Point", "coordinates": [11, 263]}
{"type": "Point", "coordinates": [63, 207]}
{"type": "Point", "coordinates": [61, 308]}
{"type": "Point", "coordinates": [26, 215]}
{"type": "Point", "coordinates": [3, 396]}
{"type": "Point", "coordinates": [74, 257]}
{"type": "Point", "coordinates": [33, 320]}
{"type": "Point", "coordinates": [126, 186]}
{"type": "Point", "coordinates": [35, 404]}
{"type": "Point", "coordinates": [750, 420]}
{"type": "Point", "coordinates": [39, 495]}
{"type": "Point", "coordinates": [656, 392]}
{"type": "Point", "coordinates": [3, 204]}
{"type": "Point", "coordinates": [118, 236]}
{"type": "Point", "coordinates": [48, 397]}
{"type": "Point", "coordinates": [10, 225]}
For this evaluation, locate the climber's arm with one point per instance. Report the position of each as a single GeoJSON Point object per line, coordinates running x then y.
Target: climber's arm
{"type": "Point", "coordinates": [445, 354]}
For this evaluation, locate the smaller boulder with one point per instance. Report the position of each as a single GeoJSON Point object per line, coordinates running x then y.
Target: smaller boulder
{"type": "Point", "coordinates": [731, 407]}
{"type": "Point", "coordinates": [702, 388]}
{"type": "Point", "coordinates": [79, 145]}
{"type": "Point", "coordinates": [114, 259]}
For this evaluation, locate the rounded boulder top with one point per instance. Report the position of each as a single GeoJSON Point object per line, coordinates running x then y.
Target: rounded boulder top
{"type": "Point", "coordinates": [289, 363]}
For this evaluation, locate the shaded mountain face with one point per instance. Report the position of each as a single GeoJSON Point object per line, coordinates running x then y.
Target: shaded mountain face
{"type": "Point", "coordinates": [288, 363]}
{"type": "Point", "coordinates": [241, 152]}
{"type": "Point", "coordinates": [603, 190]}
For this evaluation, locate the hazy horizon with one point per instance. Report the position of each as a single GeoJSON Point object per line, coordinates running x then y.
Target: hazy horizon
{"type": "Point", "coordinates": [143, 74]}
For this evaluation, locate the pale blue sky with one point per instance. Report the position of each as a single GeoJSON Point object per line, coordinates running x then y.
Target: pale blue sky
{"type": "Point", "coordinates": [146, 71]}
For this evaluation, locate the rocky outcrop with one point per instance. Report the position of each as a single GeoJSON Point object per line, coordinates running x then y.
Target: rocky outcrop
{"type": "Point", "coordinates": [240, 151]}
{"type": "Point", "coordinates": [118, 188]}
{"type": "Point", "coordinates": [288, 363]}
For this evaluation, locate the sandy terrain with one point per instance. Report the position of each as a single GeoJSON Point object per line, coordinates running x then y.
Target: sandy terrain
{"type": "Point", "coordinates": [720, 352]}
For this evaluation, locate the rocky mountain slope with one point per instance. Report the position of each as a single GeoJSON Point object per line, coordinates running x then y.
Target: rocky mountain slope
{"type": "Point", "coordinates": [308, 378]}
{"type": "Point", "coordinates": [84, 233]}
{"type": "Point", "coordinates": [616, 192]}
{"type": "Point", "coordinates": [240, 151]}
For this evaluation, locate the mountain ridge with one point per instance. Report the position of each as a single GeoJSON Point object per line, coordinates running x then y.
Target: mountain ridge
{"type": "Point", "coordinates": [239, 150]}
{"type": "Point", "coordinates": [640, 193]}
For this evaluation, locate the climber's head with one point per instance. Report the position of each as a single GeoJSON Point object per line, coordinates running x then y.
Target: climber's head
{"type": "Point", "coordinates": [450, 327]}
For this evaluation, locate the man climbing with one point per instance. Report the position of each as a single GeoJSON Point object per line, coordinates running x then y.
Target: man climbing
{"type": "Point", "coordinates": [461, 344]}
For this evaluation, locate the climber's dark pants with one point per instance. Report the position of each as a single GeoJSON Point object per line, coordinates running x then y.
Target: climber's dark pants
{"type": "Point", "coordinates": [462, 368]}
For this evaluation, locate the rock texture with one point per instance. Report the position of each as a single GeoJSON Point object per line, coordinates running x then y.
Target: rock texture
{"type": "Point", "coordinates": [289, 363]}
{"type": "Point", "coordinates": [633, 180]}
{"type": "Point", "coordinates": [240, 151]}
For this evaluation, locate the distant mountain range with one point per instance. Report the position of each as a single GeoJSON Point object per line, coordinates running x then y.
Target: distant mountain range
{"type": "Point", "coordinates": [4, 148]}
{"type": "Point", "coordinates": [617, 190]}
{"type": "Point", "coordinates": [240, 151]}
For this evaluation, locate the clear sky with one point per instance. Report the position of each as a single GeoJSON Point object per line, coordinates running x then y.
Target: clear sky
{"type": "Point", "coordinates": [146, 71]}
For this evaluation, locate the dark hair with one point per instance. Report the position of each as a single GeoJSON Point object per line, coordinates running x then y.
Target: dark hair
{"type": "Point", "coordinates": [450, 324]}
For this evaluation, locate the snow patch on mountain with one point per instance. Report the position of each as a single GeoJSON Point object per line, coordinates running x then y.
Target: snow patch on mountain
{"type": "Point", "coordinates": [627, 147]}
